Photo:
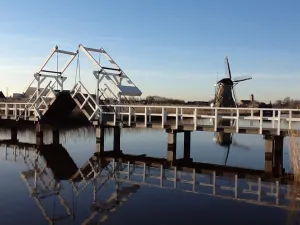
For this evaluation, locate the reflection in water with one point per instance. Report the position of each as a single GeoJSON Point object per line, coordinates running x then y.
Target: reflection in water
{"type": "Point", "coordinates": [49, 165]}
{"type": "Point", "coordinates": [226, 139]}
{"type": "Point", "coordinates": [42, 182]}
{"type": "Point", "coordinates": [106, 181]}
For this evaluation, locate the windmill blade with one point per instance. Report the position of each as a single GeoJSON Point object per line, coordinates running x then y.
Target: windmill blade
{"type": "Point", "coordinates": [227, 155]}
{"type": "Point", "coordinates": [227, 67]}
{"type": "Point", "coordinates": [240, 79]}
{"type": "Point", "coordinates": [241, 146]}
{"type": "Point", "coordinates": [228, 150]}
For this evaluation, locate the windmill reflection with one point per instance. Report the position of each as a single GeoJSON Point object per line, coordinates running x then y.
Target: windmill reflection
{"type": "Point", "coordinates": [226, 139]}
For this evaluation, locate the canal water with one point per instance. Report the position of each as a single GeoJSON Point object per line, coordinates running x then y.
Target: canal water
{"type": "Point", "coordinates": [146, 204]}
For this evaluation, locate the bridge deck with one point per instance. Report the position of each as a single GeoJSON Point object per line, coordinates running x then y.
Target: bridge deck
{"type": "Point", "coordinates": [182, 118]}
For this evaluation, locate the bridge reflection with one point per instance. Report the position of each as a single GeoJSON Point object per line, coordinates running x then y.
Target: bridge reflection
{"type": "Point", "coordinates": [50, 169]}
{"type": "Point", "coordinates": [50, 166]}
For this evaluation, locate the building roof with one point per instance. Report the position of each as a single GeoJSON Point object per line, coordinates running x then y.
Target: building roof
{"type": "Point", "coordinates": [2, 95]}
{"type": "Point", "coordinates": [246, 101]}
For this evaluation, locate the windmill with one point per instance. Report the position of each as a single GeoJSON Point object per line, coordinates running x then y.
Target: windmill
{"type": "Point", "coordinates": [224, 89]}
{"type": "Point", "coordinates": [225, 97]}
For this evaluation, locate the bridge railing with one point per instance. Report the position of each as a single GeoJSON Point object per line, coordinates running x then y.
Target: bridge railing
{"type": "Point", "coordinates": [11, 110]}
{"type": "Point", "coordinates": [198, 116]}
{"type": "Point", "coordinates": [257, 192]}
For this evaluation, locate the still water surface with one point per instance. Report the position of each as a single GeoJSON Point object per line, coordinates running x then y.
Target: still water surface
{"type": "Point", "coordinates": [148, 205]}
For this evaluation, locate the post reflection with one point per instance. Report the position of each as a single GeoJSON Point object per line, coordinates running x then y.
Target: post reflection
{"type": "Point", "coordinates": [52, 174]}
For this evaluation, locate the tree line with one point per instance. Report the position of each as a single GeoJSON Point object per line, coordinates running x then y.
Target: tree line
{"type": "Point", "coordinates": [287, 102]}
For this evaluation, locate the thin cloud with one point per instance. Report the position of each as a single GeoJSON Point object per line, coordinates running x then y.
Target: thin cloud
{"type": "Point", "coordinates": [195, 76]}
{"type": "Point", "coordinates": [254, 76]}
{"type": "Point", "coordinates": [275, 76]}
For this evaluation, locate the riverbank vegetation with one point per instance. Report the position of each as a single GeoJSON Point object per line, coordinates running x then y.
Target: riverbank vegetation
{"type": "Point", "coordinates": [294, 153]}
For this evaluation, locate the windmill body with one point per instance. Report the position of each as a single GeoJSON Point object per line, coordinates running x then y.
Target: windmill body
{"type": "Point", "coordinates": [224, 97]}
{"type": "Point", "coordinates": [224, 93]}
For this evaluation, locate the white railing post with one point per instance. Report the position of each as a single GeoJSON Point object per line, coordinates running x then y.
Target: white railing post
{"type": "Point", "coordinates": [149, 115]}
{"type": "Point", "coordinates": [260, 121]}
{"type": "Point", "coordinates": [290, 119]}
{"type": "Point", "coordinates": [216, 120]}
{"type": "Point", "coordinates": [25, 113]}
{"type": "Point", "coordinates": [181, 115]}
{"type": "Point", "coordinates": [121, 113]}
{"type": "Point", "coordinates": [100, 116]}
{"type": "Point", "coordinates": [273, 118]}
{"type": "Point", "coordinates": [176, 121]}
{"type": "Point", "coordinates": [279, 122]}
{"type": "Point", "coordinates": [237, 124]}
{"type": "Point", "coordinates": [15, 111]}
{"type": "Point", "coordinates": [195, 119]}
{"type": "Point", "coordinates": [6, 110]}
{"type": "Point", "coordinates": [115, 115]}
{"type": "Point", "coordinates": [129, 116]}
{"type": "Point", "coordinates": [163, 118]}
{"type": "Point", "coordinates": [146, 116]}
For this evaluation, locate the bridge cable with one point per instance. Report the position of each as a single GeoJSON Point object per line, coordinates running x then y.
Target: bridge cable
{"type": "Point", "coordinates": [77, 70]}
{"type": "Point", "coordinates": [73, 206]}
{"type": "Point", "coordinates": [54, 205]}
{"type": "Point", "coordinates": [57, 70]}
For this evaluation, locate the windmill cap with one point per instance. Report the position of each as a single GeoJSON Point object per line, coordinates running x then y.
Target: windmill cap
{"type": "Point", "coordinates": [225, 81]}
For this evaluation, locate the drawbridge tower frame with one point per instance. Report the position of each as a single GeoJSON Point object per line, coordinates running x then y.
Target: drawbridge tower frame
{"type": "Point", "coordinates": [115, 76]}
{"type": "Point", "coordinates": [38, 97]}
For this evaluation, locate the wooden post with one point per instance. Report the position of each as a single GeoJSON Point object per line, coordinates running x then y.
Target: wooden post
{"type": "Point", "coordinates": [278, 156]}
{"type": "Point", "coordinates": [14, 134]}
{"type": "Point", "coordinates": [269, 154]}
{"type": "Point", "coordinates": [117, 139]}
{"type": "Point", "coordinates": [39, 134]}
{"type": "Point", "coordinates": [99, 139]}
{"type": "Point", "coordinates": [274, 155]}
{"type": "Point", "coordinates": [187, 145]}
{"type": "Point", "coordinates": [171, 151]}
{"type": "Point", "coordinates": [55, 135]}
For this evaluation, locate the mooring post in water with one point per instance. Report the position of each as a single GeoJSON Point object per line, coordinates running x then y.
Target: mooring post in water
{"type": "Point", "coordinates": [172, 141]}
{"type": "Point", "coordinates": [55, 135]}
{"type": "Point", "coordinates": [268, 154]}
{"type": "Point", "coordinates": [274, 155]}
{"type": "Point", "coordinates": [14, 133]}
{"type": "Point", "coordinates": [278, 169]}
{"type": "Point", "coordinates": [99, 139]}
{"type": "Point", "coordinates": [117, 139]}
{"type": "Point", "coordinates": [39, 133]}
{"type": "Point", "coordinates": [187, 145]}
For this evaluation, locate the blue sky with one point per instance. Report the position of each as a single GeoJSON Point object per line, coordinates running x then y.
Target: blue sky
{"type": "Point", "coordinates": [169, 48]}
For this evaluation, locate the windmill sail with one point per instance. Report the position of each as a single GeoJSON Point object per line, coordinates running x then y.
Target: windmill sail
{"type": "Point", "coordinates": [227, 67]}
{"type": "Point", "coordinates": [241, 78]}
